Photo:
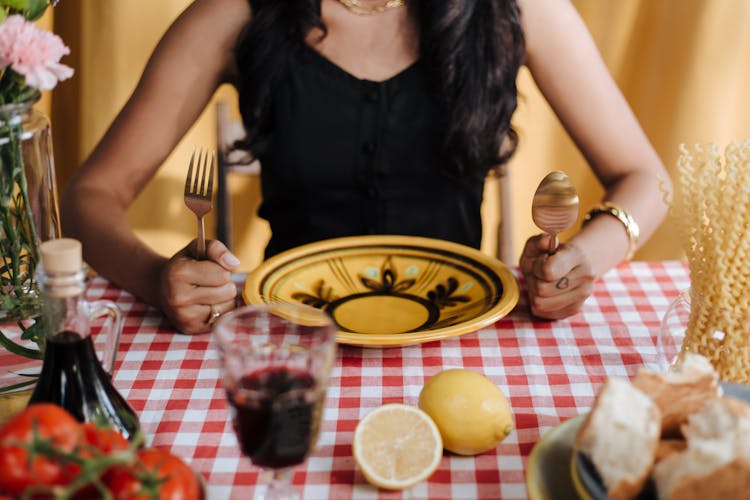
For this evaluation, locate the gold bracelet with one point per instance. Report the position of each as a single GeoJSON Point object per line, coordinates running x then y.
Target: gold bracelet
{"type": "Point", "coordinates": [631, 226]}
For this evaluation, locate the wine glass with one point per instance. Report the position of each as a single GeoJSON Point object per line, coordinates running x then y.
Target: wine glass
{"type": "Point", "coordinates": [276, 359]}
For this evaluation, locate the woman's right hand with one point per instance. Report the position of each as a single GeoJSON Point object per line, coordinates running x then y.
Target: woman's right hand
{"type": "Point", "coordinates": [557, 284]}
{"type": "Point", "coordinates": [189, 287]}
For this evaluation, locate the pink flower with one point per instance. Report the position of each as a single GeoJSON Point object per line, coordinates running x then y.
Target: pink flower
{"type": "Point", "coordinates": [33, 53]}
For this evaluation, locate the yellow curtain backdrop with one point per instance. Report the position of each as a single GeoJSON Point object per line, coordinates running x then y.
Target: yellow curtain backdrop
{"type": "Point", "coordinates": [680, 63]}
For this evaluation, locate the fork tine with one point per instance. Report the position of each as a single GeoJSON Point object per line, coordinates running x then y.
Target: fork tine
{"type": "Point", "coordinates": [210, 192]}
{"type": "Point", "coordinates": [202, 192]}
{"type": "Point", "coordinates": [190, 173]}
{"type": "Point", "coordinates": [197, 186]}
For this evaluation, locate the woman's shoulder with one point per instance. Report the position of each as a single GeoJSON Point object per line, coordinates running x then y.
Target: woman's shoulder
{"type": "Point", "coordinates": [208, 30]}
{"type": "Point", "coordinates": [551, 27]}
{"type": "Point", "coordinates": [223, 17]}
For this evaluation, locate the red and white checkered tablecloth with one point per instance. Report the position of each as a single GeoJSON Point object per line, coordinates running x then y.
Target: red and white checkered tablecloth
{"type": "Point", "coordinates": [549, 370]}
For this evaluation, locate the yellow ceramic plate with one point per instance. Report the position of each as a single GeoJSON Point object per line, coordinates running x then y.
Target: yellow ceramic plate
{"type": "Point", "coordinates": [385, 291]}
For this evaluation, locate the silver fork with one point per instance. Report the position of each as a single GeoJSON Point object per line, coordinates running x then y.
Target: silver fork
{"type": "Point", "coordinates": [198, 196]}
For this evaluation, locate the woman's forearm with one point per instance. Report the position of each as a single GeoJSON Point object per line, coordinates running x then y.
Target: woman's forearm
{"type": "Point", "coordinates": [109, 245]}
{"type": "Point", "coordinates": [604, 239]}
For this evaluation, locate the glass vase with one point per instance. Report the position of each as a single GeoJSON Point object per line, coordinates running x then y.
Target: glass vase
{"type": "Point", "coordinates": [721, 334]}
{"type": "Point", "coordinates": [29, 214]}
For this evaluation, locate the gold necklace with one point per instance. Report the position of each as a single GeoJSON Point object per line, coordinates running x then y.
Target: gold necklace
{"type": "Point", "coordinates": [356, 7]}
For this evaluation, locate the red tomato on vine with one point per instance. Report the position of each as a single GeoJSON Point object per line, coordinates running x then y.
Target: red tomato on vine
{"type": "Point", "coordinates": [103, 438]}
{"type": "Point", "coordinates": [46, 449]}
{"type": "Point", "coordinates": [157, 475]}
{"type": "Point", "coordinates": [29, 445]}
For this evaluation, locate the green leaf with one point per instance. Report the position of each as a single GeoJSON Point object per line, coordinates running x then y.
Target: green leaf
{"type": "Point", "coordinates": [19, 349]}
{"type": "Point", "coordinates": [16, 4]}
{"type": "Point", "coordinates": [35, 331]}
{"type": "Point", "coordinates": [36, 9]}
{"type": "Point", "coordinates": [20, 385]}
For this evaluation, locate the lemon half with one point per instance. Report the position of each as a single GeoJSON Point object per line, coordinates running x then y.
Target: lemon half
{"type": "Point", "coordinates": [396, 446]}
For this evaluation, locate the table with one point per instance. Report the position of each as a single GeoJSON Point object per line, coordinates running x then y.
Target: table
{"type": "Point", "coordinates": [549, 370]}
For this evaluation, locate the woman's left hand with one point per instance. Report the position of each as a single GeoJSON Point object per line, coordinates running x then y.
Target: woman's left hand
{"type": "Point", "coordinates": [558, 284]}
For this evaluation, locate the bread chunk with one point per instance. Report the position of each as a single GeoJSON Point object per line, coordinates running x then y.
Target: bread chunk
{"type": "Point", "coordinates": [716, 462]}
{"type": "Point", "coordinates": [682, 390]}
{"type": "Point", "coordinates": [620, 436]}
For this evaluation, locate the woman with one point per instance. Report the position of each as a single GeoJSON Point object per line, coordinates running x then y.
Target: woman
{"type": "Point", "coordinates": [368, 116]}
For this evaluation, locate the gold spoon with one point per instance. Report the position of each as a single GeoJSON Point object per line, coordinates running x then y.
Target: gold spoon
{"type": "Point", "coordinates": [555, 206]}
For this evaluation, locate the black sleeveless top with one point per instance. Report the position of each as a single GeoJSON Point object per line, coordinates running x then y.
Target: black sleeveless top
{"type": "Point", "coordinates": [353, 157]}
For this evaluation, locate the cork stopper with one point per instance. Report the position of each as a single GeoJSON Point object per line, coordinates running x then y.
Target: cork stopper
{"type": "Point", "coordinates": [62, 255]}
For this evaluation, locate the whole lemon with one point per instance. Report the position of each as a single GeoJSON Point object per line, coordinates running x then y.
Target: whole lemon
{"type": "Point", "coordinates": [471, 413]}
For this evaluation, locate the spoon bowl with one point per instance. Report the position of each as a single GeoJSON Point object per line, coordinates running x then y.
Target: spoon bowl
{"type": "Point", "coordinates": [554, 207]}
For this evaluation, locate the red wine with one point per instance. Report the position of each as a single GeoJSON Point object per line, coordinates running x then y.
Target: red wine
{"type": "Point", "coordinates": [276, 415]}
{"type": "Point", "coordinates": [73, 378]}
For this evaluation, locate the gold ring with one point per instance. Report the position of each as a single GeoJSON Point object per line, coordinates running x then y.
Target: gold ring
{"type": "Point", "coordinates": [213, 316]}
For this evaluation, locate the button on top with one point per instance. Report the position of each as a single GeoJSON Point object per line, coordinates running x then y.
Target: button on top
{"type": "Point", "coordinates": [372, 95]}
{"type": "Point", "coordinates": [369, 147]}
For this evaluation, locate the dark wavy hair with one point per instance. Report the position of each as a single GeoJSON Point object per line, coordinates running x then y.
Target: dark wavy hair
{"type": "Point", "coordinates": [471, 49]}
